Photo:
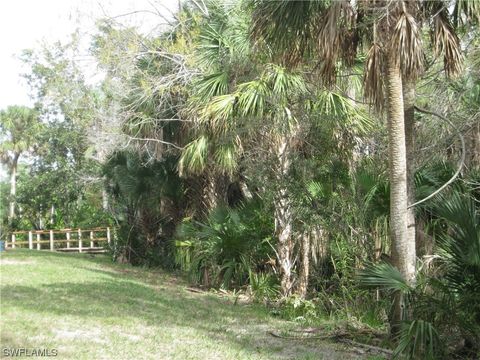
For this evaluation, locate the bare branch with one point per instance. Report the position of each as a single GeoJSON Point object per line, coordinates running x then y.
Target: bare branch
{"type": "Point", "coordinates": [155, 140]}
{"type": "Point", "coordinates": [461, 163]}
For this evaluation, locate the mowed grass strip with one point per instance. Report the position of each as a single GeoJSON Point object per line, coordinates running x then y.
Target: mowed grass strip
{"type": "Point", "coordinates": [90, 308]}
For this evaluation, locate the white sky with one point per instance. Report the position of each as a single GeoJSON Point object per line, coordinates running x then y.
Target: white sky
{"type": "Point", "coordinates": [27, 23]}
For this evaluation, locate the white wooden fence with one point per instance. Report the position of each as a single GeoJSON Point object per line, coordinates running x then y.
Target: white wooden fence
{"type": "Point", "coordinates": [61, 240]}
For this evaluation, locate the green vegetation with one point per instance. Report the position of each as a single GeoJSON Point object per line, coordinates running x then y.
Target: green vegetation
{"type": "Point", "coordinates": [320, 159]}
{"type": "Point", "coordinates": [89, 308]}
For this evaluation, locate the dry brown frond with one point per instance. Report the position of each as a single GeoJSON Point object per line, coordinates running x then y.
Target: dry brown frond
{"type": "Point", "coordinates": [373, 77]}
{"type": "Point", "coordinates": [406, 45]}
{"type": "Point", "coordinates": [335, 37]}
{"type": "Point", "coordinates": [447, 42]}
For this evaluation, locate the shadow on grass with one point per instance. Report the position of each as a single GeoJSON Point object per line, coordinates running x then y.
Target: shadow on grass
{"type": "Point", "coordinates": [131, 294]}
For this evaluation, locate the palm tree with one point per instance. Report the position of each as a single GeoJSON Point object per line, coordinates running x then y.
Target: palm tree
{"type": "Point", "coordinates": [269, 97]}
{"type": "Point", "coordinates": [329, 32]}
{"type": "Point", "coordinates": [447, 296]}
{"type": "Point", "coordinates": [19, 126]}
{"type": "Point", "coordinates": [222, 53]}
{"type": "Point", "coordinates": [240, 102]}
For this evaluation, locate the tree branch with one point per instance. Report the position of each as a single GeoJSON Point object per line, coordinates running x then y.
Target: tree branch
{"type": "Point", "coordinates": [154, 140]}
{"type": "Point", "coordinates": [460, 164]}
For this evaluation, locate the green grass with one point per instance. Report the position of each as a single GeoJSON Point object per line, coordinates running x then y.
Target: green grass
{"type": "Point", "coordinates": [90, 308]}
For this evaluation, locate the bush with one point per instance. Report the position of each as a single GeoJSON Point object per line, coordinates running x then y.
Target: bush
{"type": "Point", "coordinates": [442, 309]}
{"type": "Point", "coordinates": [226, 249]}
{"type": "Point", "coordinates": [297, 309]}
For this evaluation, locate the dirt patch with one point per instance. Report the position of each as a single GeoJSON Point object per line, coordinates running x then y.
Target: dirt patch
{"type": "Point", "coordinates": [93, 335]}
{"type": "Point", "coordinates": [16, 262]}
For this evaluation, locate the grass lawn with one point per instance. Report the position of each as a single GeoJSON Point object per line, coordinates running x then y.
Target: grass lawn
{"type": "Point", "coordinates": [90, 308]}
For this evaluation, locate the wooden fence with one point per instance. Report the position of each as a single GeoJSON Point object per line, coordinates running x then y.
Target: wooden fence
{"type": "Point", "coordinates": [61, 240]}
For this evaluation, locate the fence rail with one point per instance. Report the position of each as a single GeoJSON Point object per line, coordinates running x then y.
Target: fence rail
{"type": "Point", "coordinates": [81, 240]}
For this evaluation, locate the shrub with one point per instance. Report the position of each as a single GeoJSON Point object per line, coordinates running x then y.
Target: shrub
{"type": "Point", "coordinates": [227, 248]}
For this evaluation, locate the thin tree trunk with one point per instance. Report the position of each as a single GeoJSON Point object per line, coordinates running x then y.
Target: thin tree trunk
{"type": "Point", "coordinates": [52, 214]}
{"type": "Point", "coordinates": [104, 199]}
{"type": "Point", "coordinates": [304, 264]}
{"type": "Point", "coordinates": [13, 187]}
{"type": "Point", "coordinates": [283, 220]}
{"type": "Point", "coordinates": [472, 160]}
{"type": "Point", "coordinates": [409, 113]}
{"type": "Point", "coordinates": [403, 252]}
{"type": "Point", "coordinates": [476, 140]}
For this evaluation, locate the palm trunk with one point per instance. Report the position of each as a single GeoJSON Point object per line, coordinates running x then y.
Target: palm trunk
{"type": "Point", "coordinates": [283, 220]}
{"type": "Point", "coordinates": [215, 191]}
{"type": "Point", "coordinates": [13, 187]}
{"type": "Point", "coordinates": [409, 113]}
{"type": "Point", "coordinates": [104, 199]}
{"type": "Point", "coordinates": [304, 264]}
{"type": "Point", "coordinates": [403, 251]}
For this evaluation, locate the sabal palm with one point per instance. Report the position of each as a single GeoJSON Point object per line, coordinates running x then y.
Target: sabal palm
{"type": "Point", "coordinates": [145, 195]}
{"type": "Point", "coordinates": [268, 98]}
{"type": "Point", "coordinates": [329, 32]}
{"type": "Point", "coordinates": [231, 114]}
{"type": "Point", "coordinates": [222, 54]}
{"type": "Point", "coordinates": [446, 297]}
{"type": "Point", "coordinates": [19, 126]}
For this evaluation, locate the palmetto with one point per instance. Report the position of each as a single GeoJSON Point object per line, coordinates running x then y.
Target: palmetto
{"type": "Point", "coordinates": [446, 297]}
{"type": "Point", "coordinates": [329, 33]}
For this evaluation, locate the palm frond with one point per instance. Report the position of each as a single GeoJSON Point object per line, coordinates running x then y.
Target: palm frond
{"type": "Point", "coordinates": [384, 276]}
{"type": "Point", "coordinates": [194, 156]}
{"type": "Point", "coordinates": [218, 112]}
{"type": "Point", "coordinates": [406, 45]}
{"type": "Point", "coordinates": [373, 81]}
{"type": "Point", "coordinates": [226, 158]}
{"type": "Point", "coordinates": [284, 26]}
{"type": "Point", "coordinates": [417, 339]}
{"type": "Point", "coordinates": [212, 85]}
{"type": "Point", "coordinates": [446, 42]}
{"type": "Point", "coordinates": [466, 11]}
{"type": "Point", "coordinates": [252, 98]}
{"type": "Point", "coordinates": [463, 242]}
{"type": "Point", "coordinates": [332, 31]}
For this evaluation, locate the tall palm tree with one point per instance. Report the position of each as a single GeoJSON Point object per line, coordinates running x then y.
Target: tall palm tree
{"type": "Point", "coordinates": [240, 99]}
{"type": "Point", "coordinates": [19, 127]}
{"type": "Point", "coordinates": [223, 55]}
{"type": "Point", "coordinates": [329, 32]}
{"type": "Point", "coordinates": [268, 97]}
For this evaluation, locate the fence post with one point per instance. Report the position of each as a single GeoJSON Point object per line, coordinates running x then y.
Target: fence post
{"type": "Point", "coordinates": [51, 240]}
{"type": "Point", "coordinates": [13, 240]}
{"type": "Point", "coordinates": [108, 235]}
{"type": "Point", "coordinates": [30, 240]}
{"type": "Point", "coordinates": [91, 239]}
{"type": "Point", "coordinates": [39, 246]}
{"type": "Point", "coordinates": [68, 239]}
{"type": "Point", "coordinates": [79, 240]}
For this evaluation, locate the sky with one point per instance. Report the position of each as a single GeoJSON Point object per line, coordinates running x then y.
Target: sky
{"type": "Point", "coordinates": [27, 23]}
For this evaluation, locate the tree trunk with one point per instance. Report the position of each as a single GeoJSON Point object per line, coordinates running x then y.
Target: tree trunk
{"type": "Point", "coordinates": [403, 251]}
{"type": "Point", "coordinates": [283, 220]}
{"type": "Point", "coordinates": [472, 160]}
{"type": "Point", "coordinates": [215, 191]}
{"type": "Point", "coordinates": [104, 199]}
{"type": "Point", "coordinates": [476, 146]}
{"type": "Point", "coordinates": [52, 214]}
{"type": "Point", "coordinates": [304, 264]}
{"type": "Point", "coordinates": [409, 113]}
{"type": "Point", "coordinates": [13, 187]}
